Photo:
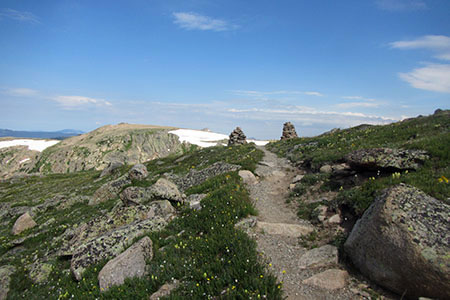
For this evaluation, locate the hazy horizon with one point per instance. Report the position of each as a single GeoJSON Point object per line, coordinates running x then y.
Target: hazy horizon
{"type": "Point", "coordinates": [221, 64]}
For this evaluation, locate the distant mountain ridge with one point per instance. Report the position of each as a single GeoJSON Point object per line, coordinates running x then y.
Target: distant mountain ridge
{"type": "Point", "coordinates": [58, 135]}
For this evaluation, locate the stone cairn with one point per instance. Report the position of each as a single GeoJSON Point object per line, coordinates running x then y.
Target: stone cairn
{"type": "Point", "coordinates": [237, 137]}
{"type": "Point", "coordinates": [288, 131]}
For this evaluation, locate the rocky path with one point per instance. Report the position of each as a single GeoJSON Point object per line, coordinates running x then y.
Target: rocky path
{"type": "Point", "coordinates": [277, 233]}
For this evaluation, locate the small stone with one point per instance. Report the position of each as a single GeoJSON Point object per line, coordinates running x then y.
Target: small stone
{"type": "Point", "coordinates": [248, 177]}
{"type": "Point", "coordinates": [290, 230]}
{"type": "Point", "coordinates": [129, 264]}
{"type": "Point", "coordinates": [164, 290]}
{"type": "Point", "coordinates": [297, 178]}
{"type": "Point", "coordinates": [335, 219]}
{"type": "Point", "coordinates": [326, 169]}
{"type": "Point", "coordinates": [138, 172]}
{"type": "Point", "coordinates": [332, 279]}
{"type": "Point", "coordinates": [194, 201]}
{"type": "Point", "coordinates": [24, 222]}
{"type": "Point", "coordinates": [319, 257]}
{"type": "Point", "coordinates": [321, 212]}
{"type": "Point", "coordinates": [246, 223]}
{"type": "Point", "coordinates": [39, 272]}
{"type": "Point", "coordinates": [292, 186]}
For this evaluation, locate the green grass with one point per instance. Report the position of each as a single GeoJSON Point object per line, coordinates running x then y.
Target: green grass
{"type": "Point", "coordinates": [431, 134]}
{"type": "Point", "coordinates": [211, 258]}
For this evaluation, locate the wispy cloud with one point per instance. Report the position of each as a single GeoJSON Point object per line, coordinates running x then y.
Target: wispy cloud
{"type": "Point", "coordinates": [434, 76]}
{"type": "Point", "coordinates": [194, 21]}
{"type": "Point", "coordinates": [73, 102]}
{"type": "Point", "coordinates": [440, 44]}
{"type": "Point", "coordinates": [400, 5]}
{"type": "Point", "coordinates": [19, 92]}
{"type": "Point", "coordinates": [357, 104]}
{"type": "Point", "coordinates": [22, 16]}
{"type": "Point", "coordinates": [261, 94]}
{"type": "Point", "coordinates": [358, 98]}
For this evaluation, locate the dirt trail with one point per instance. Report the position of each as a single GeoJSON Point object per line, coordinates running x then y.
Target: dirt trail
{"type": "Point", "coordinates": [278, 229]}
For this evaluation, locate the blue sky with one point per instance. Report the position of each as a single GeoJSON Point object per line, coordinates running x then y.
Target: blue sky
{"type": "Point", "coordinates": [220, 64]}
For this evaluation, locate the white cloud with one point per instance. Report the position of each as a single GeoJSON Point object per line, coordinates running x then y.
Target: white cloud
{"type": "Point", "coordinates": [71, 102]}
{"type": "Point", "coordinates": [440, 44]}
{"type": "Point", "coordinates": [22, 16]}
{"type": "Point", "coordinates": [357, 104]}
{"type": "Point", "coordinates": [358, 98]}
{"type": "Point", "coordinates": [20, 92]}
{"type": "Point", "coordinates": [401, 5]}
{"type": "Point", "coordinates": [433, 77]}
{"type": "Point", "coordinates": [261, 94]}
{"type": "Point", "coordinates": [194, 21]}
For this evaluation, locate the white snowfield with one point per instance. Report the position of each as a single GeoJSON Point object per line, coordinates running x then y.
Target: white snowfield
{"type": "Point", "coordinates": [38, 145]}
{"type": "Point", "coordinates": [205, 138]}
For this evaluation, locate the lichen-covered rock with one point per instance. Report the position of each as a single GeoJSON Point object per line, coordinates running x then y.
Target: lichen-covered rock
{"type": "Point", "coordinates": [164, 189]}
{"type": "Point", "coordinates": [288, 131]}
{"type": "Point", "coordinates": [129, 264]}
{"type": "Point", "coordinates": [5, 279]}
{"type": "Point", "coordinates": [138, 172]}
{"type": "Point", "coordinates": [237, 137]}
{"type": "Point", "coordinates": [119, 216]}
{"type": "Point", "coordinates": [109, 190]}
{"type": "Point", "coordinates": [136, 195]}
{"type": "Point", "coordinates": [39, 271]}
{"type": "Point", "coordinates": [196, 177]}
{"type": "Point", "coordinates": [23, 223]}
{"type": "Point", "coordinates": [112, 168]}
{"type": "Point", "coordinates": [386, 158]}
{"type": "Point", "coordinates": [110, 244]}
{"type": "Point", "coordinates": [402, 243]}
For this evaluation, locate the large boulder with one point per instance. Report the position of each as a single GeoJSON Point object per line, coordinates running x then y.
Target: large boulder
{"type": "Point", "coordinates": [164, 189]}
{"type": "Point", "coordinates": [237, 137]}
{"type": "Point", "coordinates": [402, 243]}
{"type": "Point", "coordinates": [110, 244]}
{"type": "Point", "coordinates": [23, 223]}
{"type": "Point", "coordinates": [385, 158]}
{"type": "Point", "coordinates": [288, 131]}
{"type": "Point", "coordinates": [134, 195]}
{"type": "Point", "coordinates": [248, 177]}
{"type": "Point", "coordinates": [138, 172]}
{"type": "Point", "coordinates": [129, 264]}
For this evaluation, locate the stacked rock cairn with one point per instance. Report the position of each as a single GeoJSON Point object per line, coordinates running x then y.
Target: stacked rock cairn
{"type": "Point", "coordinates": [288, 131]}
{"type": "Point", "coordinates": [237, 137]}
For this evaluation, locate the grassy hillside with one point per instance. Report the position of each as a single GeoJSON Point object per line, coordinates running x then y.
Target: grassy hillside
{"type": "Point", "coordinates": [202, 249]}
{"type": "Point", "coordinates": [431, 133]}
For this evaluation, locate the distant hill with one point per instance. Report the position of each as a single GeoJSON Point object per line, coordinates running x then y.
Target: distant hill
{"type": "Point", "coordinates": [58, 135]}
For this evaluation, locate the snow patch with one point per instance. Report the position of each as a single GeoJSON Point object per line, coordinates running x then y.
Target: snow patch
{"type": "Point", "coordinates": [205, 138]}
{"type": "Point", "coordinates": [37, 145]}
{"type": "Point", "coordinates": [24, 160]}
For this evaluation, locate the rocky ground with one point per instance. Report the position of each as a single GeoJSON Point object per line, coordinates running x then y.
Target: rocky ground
{"type": "Point", "coordinates": [305, 273]}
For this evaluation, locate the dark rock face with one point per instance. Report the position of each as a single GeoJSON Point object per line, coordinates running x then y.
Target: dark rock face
{"type": "Point", "coordinates": [237, 137]}
{"type": "Point", "coordinates": [386, 158]}
{"type": "Point", "coordinates": [402, 243]}
{"type": "Point", "coordinates": [288, 131]}
{"type": "Point", "coordinates": [196, 177]}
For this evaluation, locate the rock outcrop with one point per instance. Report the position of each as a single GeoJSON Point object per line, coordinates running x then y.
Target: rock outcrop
{"type": "Point", "coordinates": [386, 158]}
{"type": "Point", "coordinates": [196, 177]}
{"type": "Point", "coordinates": [237, 137]}
{"type": "Point", "coordinates": [112, 168]}
{"type": "Point", "coordinates": [402, 242]}
{"type": "Point", "coordinates": [23, 223]}
{"type": "Point", "coordinates": [129, 264]}
{"type": "Point", "coordinates": [5, 279]}
{"type": "Point", "coordinates": [110, 190]}
{"type": "Point", "coordinates": [288, 131]}
{"type": "Point", "coordinates": [138, 172]}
